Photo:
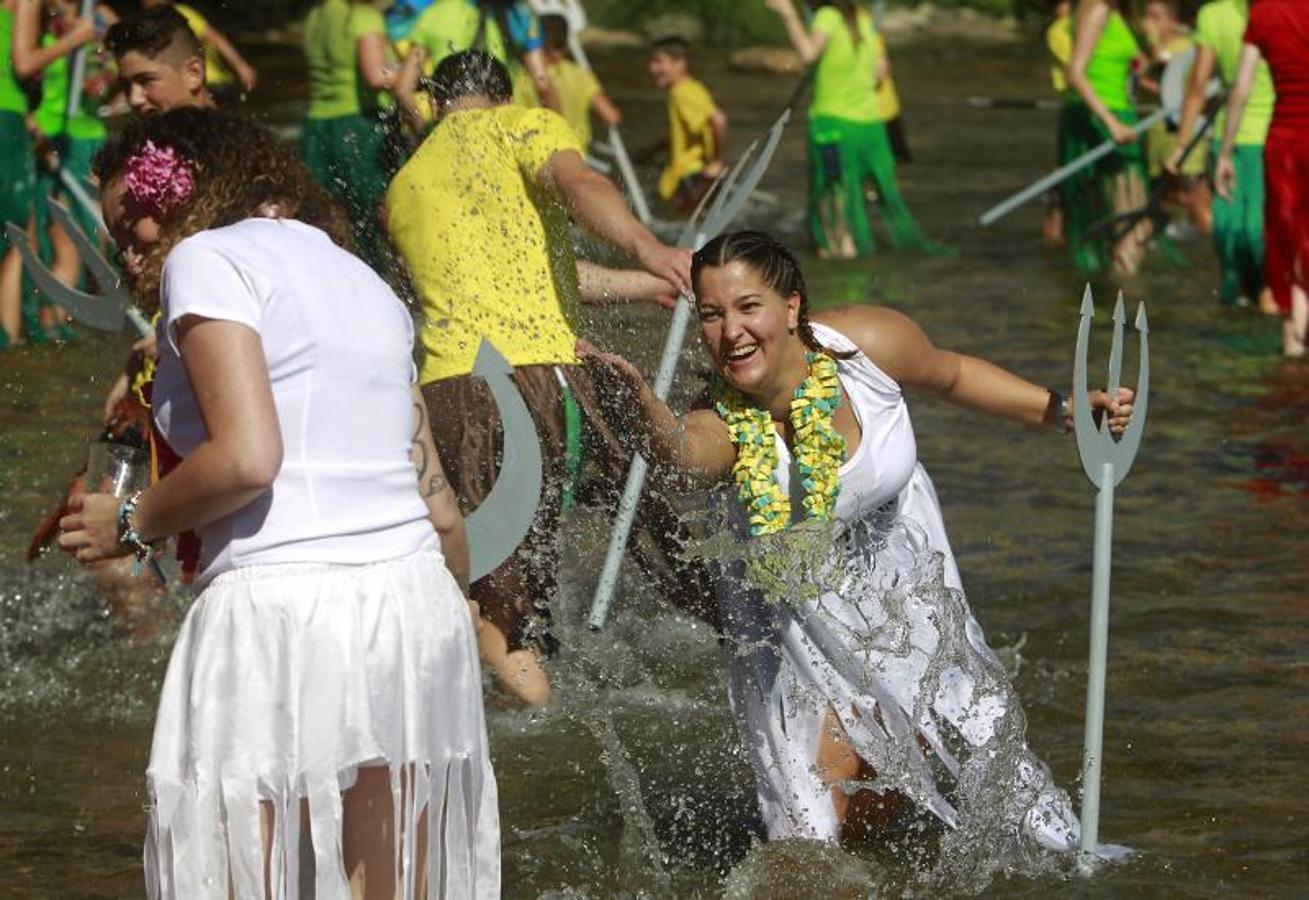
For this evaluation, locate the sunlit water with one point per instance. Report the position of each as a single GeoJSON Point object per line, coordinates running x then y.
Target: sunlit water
{"type": "Point", "coordinates": [633, 783]}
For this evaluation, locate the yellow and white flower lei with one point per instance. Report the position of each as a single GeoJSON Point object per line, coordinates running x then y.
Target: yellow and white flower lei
{"type": "Point", "coordinates": [819, 449]}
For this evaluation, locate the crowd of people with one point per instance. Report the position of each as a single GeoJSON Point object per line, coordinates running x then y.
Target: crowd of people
{"type": "Point", "coordinates": [316, 453]}
{"type": "Point", "coordinates": [1243, 184]}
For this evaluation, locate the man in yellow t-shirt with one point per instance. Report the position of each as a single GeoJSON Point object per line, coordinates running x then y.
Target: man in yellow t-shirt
{"type": "Point", "coordinates": [226, 72]}
{"type": "Point", "coordinates": [480, 214]}
{"type": "Point", "coordinates": [697, 128]}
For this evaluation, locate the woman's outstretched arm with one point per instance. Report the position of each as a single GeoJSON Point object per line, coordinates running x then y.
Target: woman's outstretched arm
{"type": "Point", "coordinates": [696, 442]}
{"type": "Point", "coordinates": [896, 344]}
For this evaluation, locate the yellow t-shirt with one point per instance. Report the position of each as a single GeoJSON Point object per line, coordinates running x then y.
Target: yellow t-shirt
{"type": "Point", "coordinates": [216, 72]}
{"type": "Point", "coordinates": [488, 249]}
{"type": "Point", "coordinates": [888, 99]}
{"type": "Point", "coordinates": [690, 134]}
{"type": "Point", "coordinates": [1059, 43]}
{"type": "Point", "coordinates": [577, 88]}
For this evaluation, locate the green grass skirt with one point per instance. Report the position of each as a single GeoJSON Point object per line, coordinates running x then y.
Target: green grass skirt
{"type": "Point", "coordinates": [1088, 196]}
{"type": "Point", "coordinates": [1239, 227]}
{"type": "Point", "coordinates": [845, 157]}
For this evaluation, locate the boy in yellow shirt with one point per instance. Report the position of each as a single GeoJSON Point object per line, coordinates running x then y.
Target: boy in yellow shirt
{"type": "Point", "coordinates": [578, 91]}
{"type": "Point", "coordinates": [697, 128]}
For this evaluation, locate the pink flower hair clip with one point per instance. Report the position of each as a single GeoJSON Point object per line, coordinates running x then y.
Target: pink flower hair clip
{"type": "Point", "coordinates": [159, 179]}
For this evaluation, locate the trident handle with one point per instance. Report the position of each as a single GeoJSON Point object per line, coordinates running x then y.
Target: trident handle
{"type": "Point", "coordinates": [1093, 742]}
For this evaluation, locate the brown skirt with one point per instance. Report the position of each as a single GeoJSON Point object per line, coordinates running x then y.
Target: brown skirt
{"type": "Point", "coordinates": [470, 439]}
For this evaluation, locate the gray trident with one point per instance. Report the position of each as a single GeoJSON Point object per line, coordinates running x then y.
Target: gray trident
{"type": "Point", "coordinates": [716, 211]}
{"type": "Point", "coordinates": [1107, 462]}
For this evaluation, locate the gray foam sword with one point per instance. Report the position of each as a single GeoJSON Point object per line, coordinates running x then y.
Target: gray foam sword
{"type": "Point", "coordinates": [1107, 462]}
{"type": "Point", "coordinates": [499, 525]}
{"type": "Point", "coordinates": [716, 211]}
{"type": "Point", "coordinates": [112, 310]}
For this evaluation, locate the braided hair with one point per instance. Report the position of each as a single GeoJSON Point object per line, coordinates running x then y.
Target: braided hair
{"type": "Point", "coordinates": [770, 259]}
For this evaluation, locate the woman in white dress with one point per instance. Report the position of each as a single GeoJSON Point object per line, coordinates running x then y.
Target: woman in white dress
{"type": "Point", "coordinates": [321, 719]}
{"type": "Point", "coordinates": [857, 671]}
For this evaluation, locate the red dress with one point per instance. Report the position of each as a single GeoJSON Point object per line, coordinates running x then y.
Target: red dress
{"type": "Point", "coordinates": [1280, 29]}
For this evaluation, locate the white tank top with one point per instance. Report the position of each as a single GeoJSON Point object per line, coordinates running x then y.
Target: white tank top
{"type": "Point", "coordinates": [339, 348]}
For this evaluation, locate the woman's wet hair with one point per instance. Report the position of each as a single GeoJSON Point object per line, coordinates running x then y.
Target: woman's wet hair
{"type": "Point", "coordinates": [240, 170]}
{"type": "Point", "coordinates": [470, 73]}
{"type": "Point", "coordinates": [770, 259]}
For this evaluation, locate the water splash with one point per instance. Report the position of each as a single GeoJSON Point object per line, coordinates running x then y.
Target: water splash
{"type": "Point", "coordinates": [858, 620]}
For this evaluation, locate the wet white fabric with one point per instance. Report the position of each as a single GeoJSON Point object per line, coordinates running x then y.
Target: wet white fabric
{"type": "Point", "coordinates": [339, 348]}
{"type": "Point", "coordinates": [284, 681]}
{"type": "Point", "coordinates": [868, 649]}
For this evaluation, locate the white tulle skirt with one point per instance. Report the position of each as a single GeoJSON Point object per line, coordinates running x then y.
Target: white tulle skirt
{"type": "Point", "coordinates": [284, 682]}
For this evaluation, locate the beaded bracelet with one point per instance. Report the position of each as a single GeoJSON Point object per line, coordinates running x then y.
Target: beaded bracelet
{"type": "Point", "coordinates": [128, 536]}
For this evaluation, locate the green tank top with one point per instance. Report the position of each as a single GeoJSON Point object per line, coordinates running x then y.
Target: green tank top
{"type": "Point", "coordinates": [1109, 69]}
{"type": "Point", "coordinates": [12, 98]}
{"type": "Point", "coordinates": [84, 124]}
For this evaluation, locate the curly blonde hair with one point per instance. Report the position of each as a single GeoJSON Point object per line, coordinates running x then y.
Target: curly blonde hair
{"type": "Point", "coordinates": [240, 168]}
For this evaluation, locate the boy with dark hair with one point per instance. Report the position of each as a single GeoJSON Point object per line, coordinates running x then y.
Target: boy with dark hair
{"type": "Point", "coordinates": [161, 64]}
{"type": "Point", "coordinates": [222, 59]}
{"type": "Point", "coordinates": [697, 128]}
{"type": "Point", "coordinates": [578, 91]}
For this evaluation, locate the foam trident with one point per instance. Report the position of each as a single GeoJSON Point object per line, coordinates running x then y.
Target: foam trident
{"type": "Point", "coordinates": [1107, 462]}
{"type": "Point", "coordinates": [716, 211]}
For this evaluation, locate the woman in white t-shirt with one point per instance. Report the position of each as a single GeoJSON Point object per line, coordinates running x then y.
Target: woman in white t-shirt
{"type": "Point", "coordinates": [324, 690]}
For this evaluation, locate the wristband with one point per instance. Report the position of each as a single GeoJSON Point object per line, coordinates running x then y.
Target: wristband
{"type": "Point", "coordinates": [1058, 410]}
{"type": "Point", "coordinates": [128, 536]}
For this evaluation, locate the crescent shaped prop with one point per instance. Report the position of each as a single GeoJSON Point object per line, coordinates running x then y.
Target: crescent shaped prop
{"type": "Point", "coordinates": [499, 525]}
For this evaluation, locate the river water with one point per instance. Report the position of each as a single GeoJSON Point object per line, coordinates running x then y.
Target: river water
{"type": "Point", "coordinates": [632, 783]}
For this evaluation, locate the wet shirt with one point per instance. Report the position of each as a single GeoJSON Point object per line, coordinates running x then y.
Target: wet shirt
{"type": "Point", "coordinates": [1280, 29]}
{"type": "Point", "coordinates": [332, 34]}
{"type": "Point", "coordinates": [1220, 26]}
{"type": "Point", "coordinates": [577, 88]}
{"type": "Point", "coordinates": [1109, 70]}
{"type": "Point", "coordinates": [338, 344]}
{"type": "Point", "coordinates": [844, 82]}
{"type": "Point", "coordinates": [216, 72]}
{"type": "Point", "coordinates": [12, 98]}
{"type": "Point", "coordinates": [1059, 44]}
{"type": "Point", "coordinates": [691, 139]}
{"type": "Point", "coordinates": [488, 249]}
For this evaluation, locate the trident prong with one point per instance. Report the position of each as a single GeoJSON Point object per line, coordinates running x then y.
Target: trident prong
{"type": "Point", "coordinates": [1107, 462]}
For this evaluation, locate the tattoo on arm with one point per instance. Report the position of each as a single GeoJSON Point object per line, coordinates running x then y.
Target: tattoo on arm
{"type": "Point", "coordinates": [436, 484]}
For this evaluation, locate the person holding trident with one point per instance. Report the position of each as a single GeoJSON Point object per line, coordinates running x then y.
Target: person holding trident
{"type": "Point", "coordinates": [865, 672]}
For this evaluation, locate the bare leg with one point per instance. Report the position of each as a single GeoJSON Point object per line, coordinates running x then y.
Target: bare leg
{"type": "Point", "coordinates": [11, 290]}
{"type": "Point", "coordinates": [1052, 226]}
{"type": "Point", "coordinates": [864, 812]}
{"type": "Point", "coordinates": [1267, 305]}
{"type": "Point", "coordinates": [519, 672]}
{"type": "Point", "coordinates": [368, 838]}
{"type": "Point", "coordinates": [1129, 194]}
{"type": "Point", "coordinates": [1294, 326]}
{"type": "Point", "coordinates": [66, 266]}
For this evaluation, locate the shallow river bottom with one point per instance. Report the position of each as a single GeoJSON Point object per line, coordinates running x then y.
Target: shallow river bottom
{"type": "Point", "coordinates": [632, 783]}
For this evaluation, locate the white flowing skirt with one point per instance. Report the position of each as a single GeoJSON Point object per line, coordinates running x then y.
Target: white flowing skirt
{"type": "Point", "coordinates": [890, 647]}
{"type": "Point", "coordinates": [284, 681]}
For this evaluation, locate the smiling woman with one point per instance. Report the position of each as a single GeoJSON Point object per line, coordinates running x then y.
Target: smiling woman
{"type": "Point", "coordinates": [841, 717]}
{"type": "Point", "coordinates": [327, 672]}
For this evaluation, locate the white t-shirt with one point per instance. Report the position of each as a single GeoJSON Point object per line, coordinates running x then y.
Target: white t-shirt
{"type": "Point", "coordinates": [339, 347]}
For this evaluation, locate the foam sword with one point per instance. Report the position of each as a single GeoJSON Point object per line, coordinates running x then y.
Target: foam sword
{"type": "Point", "coordinates": [717, 210]}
